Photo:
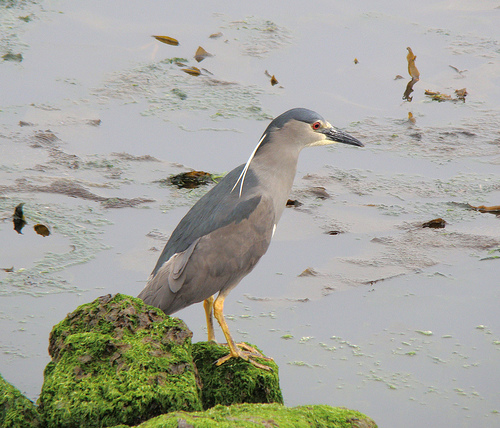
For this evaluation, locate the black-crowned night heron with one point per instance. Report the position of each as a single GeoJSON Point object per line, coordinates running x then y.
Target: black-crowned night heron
{"type": "Point", "coordinates": [223, 236]}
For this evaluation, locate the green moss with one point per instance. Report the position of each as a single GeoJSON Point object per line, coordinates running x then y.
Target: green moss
{"type": "Point", "coordinates": [265, 415]}
{"type": "Point", "coordinates": [235, 381]}
{"type": "Point", "coordinates": [117, 361]}
{"type": "Point", "coordinates": [16, 411]}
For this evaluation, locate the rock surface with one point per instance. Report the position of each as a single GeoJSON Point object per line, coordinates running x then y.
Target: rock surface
{"type": "Point", "coordinates": [118, 361]}
{"type": "Point", "coordinates": [16, 411]}
{"type": "Point", "coordinates": [235, 381]}
{"type": "Point", "coordinates": [264, 415]}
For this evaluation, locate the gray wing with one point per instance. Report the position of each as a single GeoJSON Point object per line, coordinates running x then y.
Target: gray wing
{"type": "Point", "coordinates": [217, 208]}
{"type": "Point", "coordinates": [215, 261]}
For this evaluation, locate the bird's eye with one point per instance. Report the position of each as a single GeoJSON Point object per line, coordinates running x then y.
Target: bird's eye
{"type": "Point", "coordinates": [316, 125]}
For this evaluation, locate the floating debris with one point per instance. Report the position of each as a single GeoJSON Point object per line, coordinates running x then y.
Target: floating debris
{"type": "Point", "coordinates": [356, 61]}
{"type": "Point", "coordinates": [18, 218]}
{"type": "Point", "coordinates": [191, 179]}
{"type": "Point", "coordinates": [319, 191]}
{"type": "Point", "coordinates": [41, 229]}
{"type": "Point", "coordinates": [167, 40]}
{"type": "Point", "coordinates": [438, 96]}
{"type": "Point", "coordinates": [409, 90]}
{"type": "Point", "coordinates": [461, 94]}
{"type": "Point", "coordinates": [216, 35]}
{"type": "Point", "coordinates": [201, 54]}
{"type": "Point", "coordinates": [437, 223]}
{"type": "Point", "coordinates": [412, 68]}
{"type": "Point", "coordinates": [414, 74]}
{"type": "Point", "coordinates": [309, 272]}
{"type": "Point", "coordinates": [411, 118]}
{"type": "Point", "coordinates": [293, 203]}
{"type": "Point", "coordinates": [495, 209]}
{"type": "Point", "coordinates": [193, 71]}
{"type": "Point", "coordinates": [333, 232]}
{"type": "Point", "coordinates": [12, 57]}
{"type": "Point", "coordinates": [424, 332]}
{"type": "Point", "coordinates": [274, 81]}
{"type": "Point", "coordinates": [457, 70]}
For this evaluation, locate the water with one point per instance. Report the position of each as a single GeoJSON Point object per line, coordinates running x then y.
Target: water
{"type": "Point", "coordinates": [401, 322]}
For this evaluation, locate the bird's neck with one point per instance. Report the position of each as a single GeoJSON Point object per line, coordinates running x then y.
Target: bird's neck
{"type": "Point", "coordinates": [276, 170]}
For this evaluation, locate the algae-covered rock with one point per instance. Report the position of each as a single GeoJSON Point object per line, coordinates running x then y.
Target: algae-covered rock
{"type": "Point", "coordinates": [117, 361]}
{"type": "Point", "coordinates": [264, 415]}
{"type": "Point", "coordinates": [235, 381]}
{"type": "Point", "coordinates": [16, 411]}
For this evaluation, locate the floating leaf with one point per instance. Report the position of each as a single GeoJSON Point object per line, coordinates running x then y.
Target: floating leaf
{"type": "Point", "coordinates": [409, 90]}
{"type": "Point", "coordinates": [11, 269]}
{"type": "Point", "coordinates": [398, 76]}
{"type": "Point", "coordinates": [193, 71]}
{"type": "Point", "coordinates": [167, 40]}
{"type": "Point", "coordinates": [356, 61]}
{"type": "Point", "coordinates": [274, 81]}
{"type": "Point", "coordinates": [438, 96]}
{"type": "Point", "coordinates": [411, 118]}
{"type": "Point", "coordinates": [201, 54]}
{"type": "Point", "coordinates": [412, 68]}
{"type": "Point", "coordinates": [495, 209]}
{"type": "Point", "coordinates": [215, 35]}
{"type": "Point", "coordinates": [41, 229]}
{"type": "Point", "coordinates": [18, 218]}
{"type": "Point", "coordinates": [461, 93]}
{"type": "Point", "coordinates": [309, 272]}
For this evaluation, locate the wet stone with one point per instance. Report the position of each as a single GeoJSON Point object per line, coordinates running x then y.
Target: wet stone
{"type": "Point", "coordinates": [235, 381]}
{"type": "Point", "coordinates": [118, 361]}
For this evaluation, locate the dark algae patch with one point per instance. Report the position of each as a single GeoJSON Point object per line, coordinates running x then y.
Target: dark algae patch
{"type": "Point", "coordinates": [117, 361]}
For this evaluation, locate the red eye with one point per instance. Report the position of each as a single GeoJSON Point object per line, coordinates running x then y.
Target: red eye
{"type": "Point", "coordinates": [316, 125]}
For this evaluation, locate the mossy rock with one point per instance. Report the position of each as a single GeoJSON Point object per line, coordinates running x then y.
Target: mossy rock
{"type": "Point", "coordinates": [235, 381]}
{"type": "Point", "coordinates": [264, 415]}
{"type": "Point", "coordinates": [118, 361]}
{"type": "Point", "coordinates": [16, 411]}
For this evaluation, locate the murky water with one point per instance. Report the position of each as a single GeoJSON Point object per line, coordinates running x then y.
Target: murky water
{"type": "Point", "coordinates": [400, 322]}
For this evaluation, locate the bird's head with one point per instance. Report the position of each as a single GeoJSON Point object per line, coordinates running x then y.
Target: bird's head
{"type": "Point", "coordinates": [305, 128]}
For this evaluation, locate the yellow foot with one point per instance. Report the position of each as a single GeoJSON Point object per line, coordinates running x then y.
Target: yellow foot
{"type": "Point", "coordinates": [248, 355]}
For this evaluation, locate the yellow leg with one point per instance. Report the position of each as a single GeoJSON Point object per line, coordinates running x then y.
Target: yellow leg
{"type": "Point", "coordinates": [208, 304]}
{"type": "Point", "coordinates": [234, 350]}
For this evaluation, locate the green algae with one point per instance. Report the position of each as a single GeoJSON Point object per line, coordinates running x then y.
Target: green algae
{"type": "Point", "coordinates": [117, 361]}
{"type": "Point", "coordinates": [265, 415]}
{"type": "Point", "coordinates": [235, 381]}
{"type": "Point", "coordinates": [165, 90]}
{"type": "Point", "coordinates": [16, 411]}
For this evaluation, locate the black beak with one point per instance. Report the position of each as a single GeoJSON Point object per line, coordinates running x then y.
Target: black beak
{"type": "Point", "coordinates": [341, 137]}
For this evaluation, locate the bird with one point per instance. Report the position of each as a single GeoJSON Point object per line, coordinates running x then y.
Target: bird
{"type": "Point", "coordinates": [223, 236]}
